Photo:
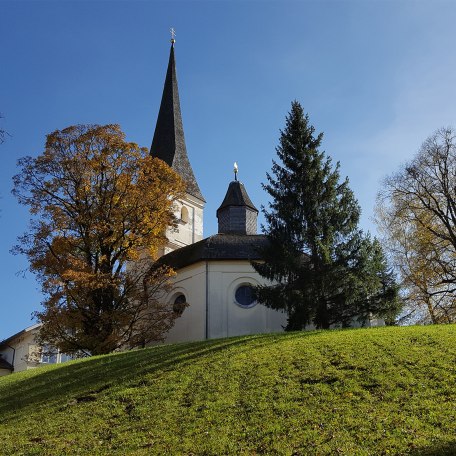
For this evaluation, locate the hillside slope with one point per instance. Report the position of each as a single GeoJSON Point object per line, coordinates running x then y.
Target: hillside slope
{"type": "Point", "coordinates": [363, 392]}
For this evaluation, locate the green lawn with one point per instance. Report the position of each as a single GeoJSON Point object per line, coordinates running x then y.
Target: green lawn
{"type": "Point", "coordinates": [352, 392]}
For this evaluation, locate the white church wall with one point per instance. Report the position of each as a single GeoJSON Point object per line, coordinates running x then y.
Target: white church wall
{"type": "Point", "coordinates": [189, 213]}
{"type": "Point", "coordinates": [225, 317]}
{"type": "Point", "coordinates": [191, 325]}
{"type": "Point", "coordinates": [197, 210]}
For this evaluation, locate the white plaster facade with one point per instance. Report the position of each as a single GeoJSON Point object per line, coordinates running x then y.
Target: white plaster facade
{"type": "Point", "coordinates": [189, 213]}
{"type": "Point", "coordinates": [209, 288]}
{"type": "Point", "coordinates": [22, 352]}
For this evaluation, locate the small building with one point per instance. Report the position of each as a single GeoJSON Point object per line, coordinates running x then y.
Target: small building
{"type": "Point", "coordinates": [21, 352]}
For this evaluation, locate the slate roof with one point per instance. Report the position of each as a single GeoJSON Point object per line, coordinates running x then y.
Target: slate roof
{"type": "Point", "coordinates": [236, 195]}
{"type": "Point", "coordinates": [217, 247]}
{"type": "Point", "coordinates": [168, 143]}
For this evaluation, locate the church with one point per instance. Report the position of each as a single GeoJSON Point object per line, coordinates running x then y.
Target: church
{"type": "Point", "coordinates": [213, 286]}
{"type": "Point", "coordinates": [212, 290]}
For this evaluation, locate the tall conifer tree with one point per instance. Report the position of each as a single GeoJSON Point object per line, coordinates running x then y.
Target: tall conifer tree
{"type": "Point", "coordinates": [326, 271]}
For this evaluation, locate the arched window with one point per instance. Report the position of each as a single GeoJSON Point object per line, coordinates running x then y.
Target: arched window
{"type": "Point", "coordinates": [184, 214]}
{"type": "Point", "coordinates": [245, 296]}
{"type": "Point", "coordinates": [179, 304]}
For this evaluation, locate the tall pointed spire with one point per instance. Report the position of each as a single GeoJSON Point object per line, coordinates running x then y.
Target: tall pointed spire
{"type": "Point", "coordinates": [168, 143]}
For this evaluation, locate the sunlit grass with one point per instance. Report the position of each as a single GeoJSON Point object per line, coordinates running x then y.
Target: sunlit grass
{"type": "Point", "coordinates": [353, 392]}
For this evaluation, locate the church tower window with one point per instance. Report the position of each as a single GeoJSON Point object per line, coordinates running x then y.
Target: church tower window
{"type": "Point", "coordinates": [184, 214]}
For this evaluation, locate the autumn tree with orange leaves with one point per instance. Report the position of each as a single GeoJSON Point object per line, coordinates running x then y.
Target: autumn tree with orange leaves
{"type": "Point", "coordinates": [100, 207]}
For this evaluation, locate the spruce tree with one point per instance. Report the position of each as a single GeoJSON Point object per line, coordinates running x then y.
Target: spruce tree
{"type": "Point", "coordinates": [325, 271]}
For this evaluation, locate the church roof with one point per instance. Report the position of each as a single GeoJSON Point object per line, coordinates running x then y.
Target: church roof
{"type": "Point", "coordinates": [218, 247]}
{"type": "Point", "coordinates": [236, 195]}
{"type": "Point", "coordinates": [168, 143]}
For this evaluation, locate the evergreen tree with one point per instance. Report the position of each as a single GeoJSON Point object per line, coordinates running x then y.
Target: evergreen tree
{"type": "Point", "coordinates": [325, 270]}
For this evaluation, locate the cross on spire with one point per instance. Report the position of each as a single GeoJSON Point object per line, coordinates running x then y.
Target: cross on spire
{"type": "Point", "coordinates": [173, 35]}
{"type": "Point", "coordinates": [168, 142]}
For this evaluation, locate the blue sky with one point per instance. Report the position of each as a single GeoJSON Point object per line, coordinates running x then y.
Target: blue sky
{"type": "Point", "coordinates": [377, 77]}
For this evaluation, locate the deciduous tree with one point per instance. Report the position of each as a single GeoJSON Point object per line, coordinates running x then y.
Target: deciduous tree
{"type": "Point", "coordinates": [326, 272]}
{"type": "Point", "coordinates": [416, 213]}
{"type": "Point", "coordinates": [100, 206]}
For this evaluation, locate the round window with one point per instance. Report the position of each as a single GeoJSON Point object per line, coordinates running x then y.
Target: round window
{"type": "Point", "coordinates": [180, 303]}
{"type": "Point", "coordinates": [245, 296]}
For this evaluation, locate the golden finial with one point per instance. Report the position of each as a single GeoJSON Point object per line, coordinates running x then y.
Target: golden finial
{"type": "Point", "coordinates": [173, 35]}
{"type": "Point", "coordinates": [235, 171]}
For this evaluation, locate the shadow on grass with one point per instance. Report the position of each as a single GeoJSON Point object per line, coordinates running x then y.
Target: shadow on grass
{"type": "Point", "coordinates": [58, 386]}
{"type": "Point", "coordinates": [437, 449]}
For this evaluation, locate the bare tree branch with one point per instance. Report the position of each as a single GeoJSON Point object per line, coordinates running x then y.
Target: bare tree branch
{"type": "Point", "coordinates": [416, 213]}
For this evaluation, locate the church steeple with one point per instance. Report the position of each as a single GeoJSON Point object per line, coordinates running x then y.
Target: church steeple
{"type": "Point", "coordinates": [168, 143]}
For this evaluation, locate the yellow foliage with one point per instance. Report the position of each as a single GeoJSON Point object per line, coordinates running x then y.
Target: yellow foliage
{"type": "Point", "coordinates": [416, 213]}
{"type": "Point", "coordinates": [97, 201]}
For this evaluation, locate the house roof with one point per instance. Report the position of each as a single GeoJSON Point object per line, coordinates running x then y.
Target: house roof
{"type": "Point", "coordinates": [236, 195]}
{"type": "Point", "coordinates": [26, 330]}
{"type": "Point", "coordinates": [217, 247]}
{"type": "Point", "coordinates": [168, 142]}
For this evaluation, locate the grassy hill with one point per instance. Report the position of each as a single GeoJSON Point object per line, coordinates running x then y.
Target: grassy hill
{"type": "Point", "coordinates": [352, 392]}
